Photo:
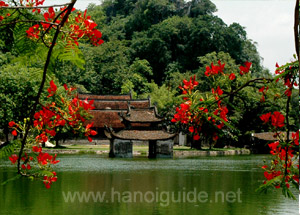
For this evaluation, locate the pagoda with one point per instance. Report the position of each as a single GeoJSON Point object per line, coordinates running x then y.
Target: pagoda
{"type": "Point", "coordinates": [140, 124]}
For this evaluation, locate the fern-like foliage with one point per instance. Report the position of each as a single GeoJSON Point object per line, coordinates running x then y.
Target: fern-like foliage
{"type": "Point", "coordinates": [8, 149]}
{"type": "Point", "coordinates": [69, 53]}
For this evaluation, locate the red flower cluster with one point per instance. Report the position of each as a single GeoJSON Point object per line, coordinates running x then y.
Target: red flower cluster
{"type": "Point", "coordinates": [284, 157]}
{"type": "Point", "coordinates": [232, 76]}
{"type": "Point", "coordinates": [75, 28]}
{"type": "Point", "coordinates": [89, 131]}
{"type": "Point", "coordinates": [188, 86]}
{"type": "Point", "coordinates": [295, 137]}
{"type": "Point", "coordinates": [288, 79]}
{"type": "Point", "coordinates": [33, 32]}
{"type": "Point", "coordinates": [53, 115]}
{"type": "Point", "coordinates": [3, 4]}
{"type": "Point", "coordinates": [245, 69]}
{"type": "Point", "coordinates": [48, 180]}
{"type": "Point", "coordinates": [214, 70]}
{"type": "Point", "coordinates": [218, 91]}
{"type": "Point", "coordinates": [45, 158]}
{"type": "Point", "coordinates": [85, 27]}
{"type": "Point", "coordinates": [277, 119]}
{"type": "Point", "coordinates": [183, 114]}
{"type": "Point", "coordinates": [52, 89]}
{"type": "Point", "coordinates": [13, 158]}
{"type": "Point", "coordinates": [271, 175]}
{"type": "Point", "coordinates": [263, 90]}
{"type": "Point", "coordinates": [12, 124]}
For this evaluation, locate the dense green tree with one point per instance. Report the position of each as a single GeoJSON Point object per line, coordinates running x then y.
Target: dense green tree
{"type": "Point", "coordinates": [18, 87]}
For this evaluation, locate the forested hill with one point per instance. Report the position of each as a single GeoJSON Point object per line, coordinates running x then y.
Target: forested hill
{"type": "Point", "coordinates": [149, 47]}
{"type": "Point", "coordinates": [151, 40]}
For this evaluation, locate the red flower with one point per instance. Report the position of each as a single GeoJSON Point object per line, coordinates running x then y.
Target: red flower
{"type": "Point", "coordinates": [189, 85]}
{"type": "Point", "coordinates": [232, 76]}
{"type": "Point", "coordinates": [36, 149]}
{"type": "Point", "coordinates": [3, 4]}
{"type": "Point", "coordinates": [52, 89]}
{"type": "Point", "coordinates": [11, 124]}
{"type": "Point", "coordinates": [33, 31]}
{"type": "Point", "coordinates": [44, 158]}
{"type": "Point", "coordinates": [14, 132]}
{"type": "Point", "coordinates": [214, 70]}
{"type": "Point", "coordinates": [295, 137]}
{"type": "Point", "coordinates": [49, 15]}
{"type": "Point", "coordinates": [53, 161]}
{"type": "Point", "coordinates": [48, 180]}
{"type": "Point", "coordinates": [265, 117]}
{"type": "Point", "coordinates": [245, 69]}
{"type": "Point", "coordinates": [13, 158]}
{"type": "Point", "coordinates": [219, 91]}
{"type": "Point", "coordinates": [66, 87]}
{"type": "Point", "coordinates": [221, 66]}
{"type": "Point", "coordinates": [277, 119]}
{"type": "Point", "coordinates": [296, 178]}
{"type": "Point", "coordinates": [191, 129]}
{"type": "Point", "coordinates": [273, 146]}
{"type": "Point", "coordinates": [51, 132]}
{"type": "Point", "coordinates": [196, 137]}
{"type": "Point", "coordinates": [41, 138]}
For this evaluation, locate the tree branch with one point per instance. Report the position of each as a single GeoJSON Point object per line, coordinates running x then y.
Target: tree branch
{"type": "Point", "coordinates": [36, 102]}
{"type": "Point", "coordinates": [29, 21]}
{"type": "Point", "coordinates": [34, 7]}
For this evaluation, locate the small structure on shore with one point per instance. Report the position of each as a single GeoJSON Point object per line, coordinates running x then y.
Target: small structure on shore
{"type": "Point", "coordinates": [141, 124]}
{"type": "Point", "coordinates": [261, 140]}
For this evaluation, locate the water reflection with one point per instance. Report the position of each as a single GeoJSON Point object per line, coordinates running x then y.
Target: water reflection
{"type": "Point", "coordinates": [156, 183]}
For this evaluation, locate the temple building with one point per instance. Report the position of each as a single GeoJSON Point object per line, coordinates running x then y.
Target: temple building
{"type": "Point", "coordinates": [108, 108]}
{"type": "Point", "coordinates": [124, 121]}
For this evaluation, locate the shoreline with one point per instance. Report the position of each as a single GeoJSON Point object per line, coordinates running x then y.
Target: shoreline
{"type": "Point", "coordinates": [143, 151]}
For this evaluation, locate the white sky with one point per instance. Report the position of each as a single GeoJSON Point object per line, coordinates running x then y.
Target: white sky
{"type": "Point", "coordinates": [270, 23]}
{"type": "Point", "coordinates": [267, 22]}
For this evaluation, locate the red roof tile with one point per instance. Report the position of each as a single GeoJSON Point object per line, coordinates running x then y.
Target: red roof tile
{"type": "Point", "coordinates": [109, 118]}
{"type": "Point", "coordinates": [104, 97]}
{"type": "Point", "coordinates": [121, 104]}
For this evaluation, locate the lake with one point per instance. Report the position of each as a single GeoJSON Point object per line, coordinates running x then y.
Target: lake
{"type": "Point", "coordinates": [93, 184]}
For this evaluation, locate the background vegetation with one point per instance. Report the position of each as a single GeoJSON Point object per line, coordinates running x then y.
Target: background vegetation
{"type": "Point", "coordinates": [150, 47]}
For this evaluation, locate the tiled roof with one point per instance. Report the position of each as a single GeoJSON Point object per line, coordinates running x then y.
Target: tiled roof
{"type": "Point", "coordinates": [108, 108]}
{"type": "Point", "coordinates": [104, 97]}
{"type": "Point", "coordinates": [110, 118]}
{"type": "Point", "coordinates": [267, 136]}
{"type": "Point", "coordinates": [121, 104]}
{"type": "Point", "coordinates": [142, 115]}
{"type": "Point", "coordinates": [143, 135]}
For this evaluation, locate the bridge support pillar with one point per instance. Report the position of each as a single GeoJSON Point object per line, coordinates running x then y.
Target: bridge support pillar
{"type": "Point", "coordinates": [120, 148]}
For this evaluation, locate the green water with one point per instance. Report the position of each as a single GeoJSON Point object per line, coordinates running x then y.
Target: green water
{"type": "Point", "coordinates": [207, 185]}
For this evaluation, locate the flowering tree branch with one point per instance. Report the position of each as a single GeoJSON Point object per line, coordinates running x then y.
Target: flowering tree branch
{"type": "Point", "coordinates": [35, 7]}
{"type": "Point", "coordinates": [36, 102]}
